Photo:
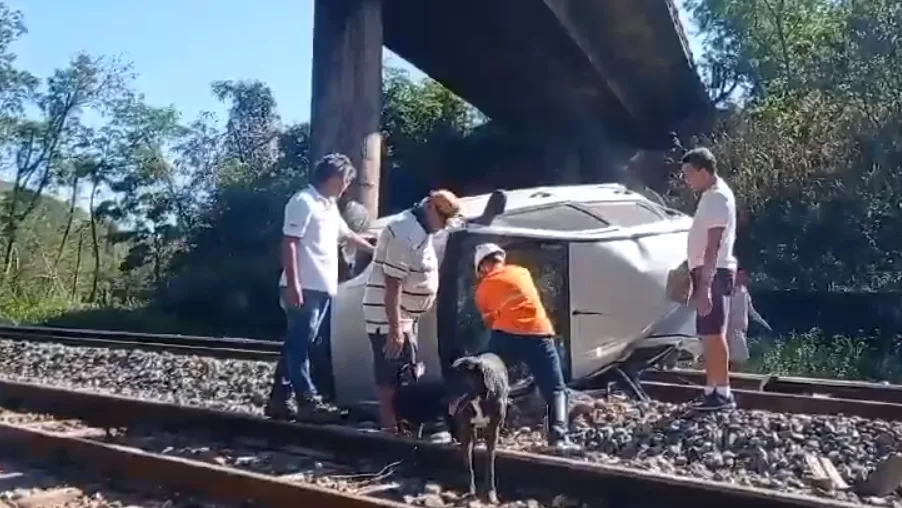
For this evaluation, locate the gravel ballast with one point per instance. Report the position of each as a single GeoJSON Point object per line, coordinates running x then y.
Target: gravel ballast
{"type": "Point", "coordinates": [753, 448]}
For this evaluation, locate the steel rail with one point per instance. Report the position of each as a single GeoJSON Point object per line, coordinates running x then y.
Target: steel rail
{"type": "Point", "coordinates": [47, 333]}
{"type": "Point", "coordinates": [860, 390]}
{"type": "Point", "coordinates": [516, 470]}
{"type": "Point", "coordinates": [178, 474]}
{"type": "Point", "coordinates": [789, 395]}
{"type": "Point", "coordinates": [782, 402]}
{"type": "Point", "coordinates": [241, 349]}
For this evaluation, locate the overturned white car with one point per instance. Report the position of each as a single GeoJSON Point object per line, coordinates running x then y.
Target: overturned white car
{"type": "Point", "coordinates": [600, 255]}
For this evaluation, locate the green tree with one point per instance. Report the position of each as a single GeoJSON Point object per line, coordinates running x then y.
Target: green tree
{"type": "Point", "coordinates": [38, 149]}
{"type": "Point", "coordinates": [814, 150]}
{"type": "Point", "coordinates": [422, 123]}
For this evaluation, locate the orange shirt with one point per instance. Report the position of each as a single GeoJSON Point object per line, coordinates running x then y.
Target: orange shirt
{"type": "Point", "coordinates": [509, 302]}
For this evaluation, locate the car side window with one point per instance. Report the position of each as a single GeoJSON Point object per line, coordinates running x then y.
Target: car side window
{"type": "Point", "coordinates": [625, 213]}
{"type": "Point", "coordinates": [561, 217]}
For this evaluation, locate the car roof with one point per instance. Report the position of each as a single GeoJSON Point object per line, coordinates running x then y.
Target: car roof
{"type": "Point", "coordinates": [472, 207]}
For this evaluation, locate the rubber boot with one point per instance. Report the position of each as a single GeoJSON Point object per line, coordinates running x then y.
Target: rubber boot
{"type": "Point", "coordinates": [557, 423]}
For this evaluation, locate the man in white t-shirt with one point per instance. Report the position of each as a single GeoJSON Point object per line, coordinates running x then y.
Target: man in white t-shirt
{"type": "Point", "coordinates": [713, 269]}
{"type": "Point", "coordinates": [312, 231]}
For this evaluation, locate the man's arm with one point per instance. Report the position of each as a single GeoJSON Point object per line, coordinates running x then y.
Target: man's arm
{"type": "Point", "coordinates": [753, 314]}
{"type": "Point", "coordinates": [296, 219]}
{"type": "Point", "coordinates": [360, 242]}
{"type": "Point", "coordinates": [392, 254]}
{"type": "Point", "coordinates": [716, 214]}
{"type": "Point", "coordinates": [392, 302]}
{"type": "Point", "coordinates": [346, 235]}
{"type": "Point", "coordinates": [488, 314]}
{"type": "Point", "coordinates": [715, 235]}
{"type": "Point", "coordinates": [289, 258]}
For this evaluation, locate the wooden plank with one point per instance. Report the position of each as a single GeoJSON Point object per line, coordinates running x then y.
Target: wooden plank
{"type": "Point", "coordinates": [836, 479]}
{"type": "Point", "coordinates": [816, 474]}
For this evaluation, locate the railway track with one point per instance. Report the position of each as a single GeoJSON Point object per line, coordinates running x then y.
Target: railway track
{"type": "Point", "coordinates": [777, 394]}
{"type": "Point", "coordinates": [131, 437]}
{"type": "Point", "coordinates": [28, 483]}
{"type": "Point", "coordinates": [855, 390]}
{"type": "Point", "coordinates": [223, 468]}
{"type": "Point", "coordinates": [224, 347]}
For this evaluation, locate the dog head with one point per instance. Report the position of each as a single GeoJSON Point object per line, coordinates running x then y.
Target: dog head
{"type": "Point", "coordinates": [410, 373]}
{"type": "Point", "coordinates": [476, 374]}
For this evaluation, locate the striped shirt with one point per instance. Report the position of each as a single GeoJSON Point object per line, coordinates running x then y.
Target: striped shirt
{"type": "Point", "coordinates": [404, 251]}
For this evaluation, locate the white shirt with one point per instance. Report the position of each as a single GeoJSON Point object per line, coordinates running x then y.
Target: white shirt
{"type": "Point", "coordinates": [404, 251]}
{"type": "Point", "coordinates": [317, 222]}
{"type": "Point", "coordinates": [716, 209]}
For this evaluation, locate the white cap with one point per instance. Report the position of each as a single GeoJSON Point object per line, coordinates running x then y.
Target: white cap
{"type": "Point", "coordinates": [486, 249]}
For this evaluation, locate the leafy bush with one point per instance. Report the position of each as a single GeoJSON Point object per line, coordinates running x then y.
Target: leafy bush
{"type": "Point", "coordinates": [812, 354]}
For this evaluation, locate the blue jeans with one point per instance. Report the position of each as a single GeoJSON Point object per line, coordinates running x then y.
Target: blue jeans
{"type": "Point", "coordinates": [293, 369]}
{"type": "Point", "coordinates": [539, 354]}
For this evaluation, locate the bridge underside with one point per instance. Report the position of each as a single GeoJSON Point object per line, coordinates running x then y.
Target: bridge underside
{"type": "Point", "coordinates": [555, 65]}
{"type": "Point", "coordinates": [591, 81]}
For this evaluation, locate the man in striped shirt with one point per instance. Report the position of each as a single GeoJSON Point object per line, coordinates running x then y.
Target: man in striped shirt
{"type": "Point", "coordinates": [401, 287]}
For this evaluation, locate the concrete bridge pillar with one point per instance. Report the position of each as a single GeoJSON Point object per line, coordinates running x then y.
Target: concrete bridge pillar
{"type": "Point", "coordinates": [602, 159]}
{"type": "Point", "coordinates": [347, 90]}
{"type": "Point", "coordinates": [586, 155]}
{"type": "Point", "coordinates": [561, 164]}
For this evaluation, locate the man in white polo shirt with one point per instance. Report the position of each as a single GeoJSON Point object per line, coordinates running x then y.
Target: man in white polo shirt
{"type": "Point", "coordinates": [713, 269]}
{"type": "Point", "coordinates": [312, 231]}
{"type": "Point", "coordinates": [401, 287]}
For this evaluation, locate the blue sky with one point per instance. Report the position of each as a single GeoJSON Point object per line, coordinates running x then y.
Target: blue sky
{"type": "Point", "coordinates": [178, 47]}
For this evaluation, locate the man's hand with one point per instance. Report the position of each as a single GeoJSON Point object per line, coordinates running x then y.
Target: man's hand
{"type": "Point", "coordinates": [394, 343]}
{"type": "Point", "coordinates": [293, 296]}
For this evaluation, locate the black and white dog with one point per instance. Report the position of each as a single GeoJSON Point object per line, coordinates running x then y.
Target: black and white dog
{"type": "Point", "coordinates": [483, 407]}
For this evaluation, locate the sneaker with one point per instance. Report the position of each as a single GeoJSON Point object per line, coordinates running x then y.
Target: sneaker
{"type": "Point", "coordinates": [316, 411]}
{"type": "Point", "coordinates": [715, 402]}
{"type": "Point", "coordinates": [279, 411]}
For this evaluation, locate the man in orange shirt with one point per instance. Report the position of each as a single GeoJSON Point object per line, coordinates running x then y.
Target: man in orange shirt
{"type": "Point", "coordinates": [510, 305]}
